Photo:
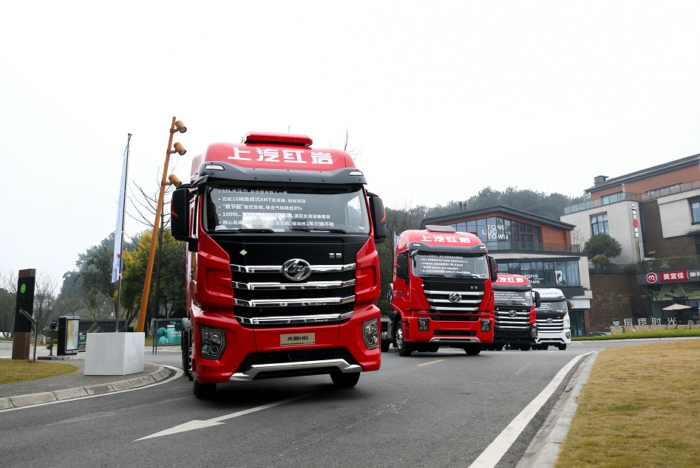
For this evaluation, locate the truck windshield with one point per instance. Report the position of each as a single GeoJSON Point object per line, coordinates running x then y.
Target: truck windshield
{"type": "Point", "coordinates": [553, 307]}
{"type": "Point", "coordinates": [512, 298]}
{"type": "Point", "coordinates": [274, 209]}
{"type": "Point", "coordinates": [450, 266]}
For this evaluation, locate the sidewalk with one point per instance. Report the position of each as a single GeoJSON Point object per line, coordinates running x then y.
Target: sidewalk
{"type": "Point", "coordinates": [76, 384]}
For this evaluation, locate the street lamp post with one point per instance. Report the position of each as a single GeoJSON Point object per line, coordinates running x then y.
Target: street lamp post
{"type": "Point", "coordinates": [176, 126]}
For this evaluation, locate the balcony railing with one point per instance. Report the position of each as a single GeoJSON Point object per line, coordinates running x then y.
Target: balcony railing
{"type": "Point", "coordinates": [626, 196]}
{"type": "Point", "coordinates": [494, 246]}
{"type": "Point", "coordinates": [668, 264]}
{"type": "Point", "coordinates": [602, 202]}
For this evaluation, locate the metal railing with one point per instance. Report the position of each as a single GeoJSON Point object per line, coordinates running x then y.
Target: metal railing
{"type": "Point", "coordinates": [494, 246]}
{"type": "Point", "coordinates": [626, 196]}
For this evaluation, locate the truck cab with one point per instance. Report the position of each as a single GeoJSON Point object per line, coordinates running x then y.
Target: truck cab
{"type": "Point", "coordinates": [281, 271]}
{"type": "Point", "coordinates": [553, 319]}
{"type": "Point", "coordinates": [515, 304]}
{"type": "Point", "coordinates": [441, 294]}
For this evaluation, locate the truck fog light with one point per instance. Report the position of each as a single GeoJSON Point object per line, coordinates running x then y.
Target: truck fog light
{"type": "Point", "coordinates": [212, 343]}
{"type": "Point", "coordinates": [533, 332]}
{"type": "Point", "coordinates": [568, 335]}
{"type": "Point", "coordinates": [370, 333]}
{"type": "Point", "coordinates": [485, 325]}
{"type": "Point", "coordinates": [423, 324]}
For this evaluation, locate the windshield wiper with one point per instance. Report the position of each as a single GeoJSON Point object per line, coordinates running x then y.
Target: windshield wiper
{"type": "Point", "coordinates": [310, 229]}
{"type": "Point", "coordinates": [254, 230]}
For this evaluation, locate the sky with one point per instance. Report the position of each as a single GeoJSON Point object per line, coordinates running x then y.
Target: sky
{"type": "Point", "coordinates": [439, 100]}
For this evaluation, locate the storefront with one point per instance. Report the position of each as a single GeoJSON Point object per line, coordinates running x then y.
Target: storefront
{"type": "Point", "coordinates": [674, 295]}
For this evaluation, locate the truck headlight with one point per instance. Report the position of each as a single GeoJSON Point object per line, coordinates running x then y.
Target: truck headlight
{"type": "Point", "coordinates": [423, 324]}
{"type": "Point", "coordinates": [212, 342]}
{"type": "Point", "coordinates": [370, 333]}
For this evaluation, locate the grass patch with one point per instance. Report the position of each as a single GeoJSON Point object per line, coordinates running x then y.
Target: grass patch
{"type": "Point", "coordinates": [17, 370]}
{"type": "Point", "coordinates": [639, 408]}
{"type": "Point", "coordinates": [642, 334]}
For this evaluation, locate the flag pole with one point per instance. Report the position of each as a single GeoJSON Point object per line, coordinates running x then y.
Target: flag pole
{"type": "Point", "coordinates": [118, 263]}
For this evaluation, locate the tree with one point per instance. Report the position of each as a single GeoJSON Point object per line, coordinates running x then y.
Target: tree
{"type": "Point", "coordinates": [8, 300]}
{"type": "Point", "coordinates": [45, 300]}
{"type": "Point", "coordinates": [602, 244]}
{"type": "Point", "coordinates": [94, 268]}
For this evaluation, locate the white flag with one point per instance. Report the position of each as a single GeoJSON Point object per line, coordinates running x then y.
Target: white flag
{"type": "Point", "coordinates": [116, 261]}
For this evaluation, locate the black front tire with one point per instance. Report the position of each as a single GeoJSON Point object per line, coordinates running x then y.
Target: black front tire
{"type": "Point", "coordinates": [562, 347]}
{"type": "Point", "coordinates": [385, 345]}
{"type": "Point", "coordinates": [185, 347]}
{"type": "Point", "coordinates": [400, 344]}
{"type": "Point", "coordinates": [341, 380]}
{"type": "Point", "coordinates": [204, 391]}
{"type": "Point", "coordinates": [472, 350]}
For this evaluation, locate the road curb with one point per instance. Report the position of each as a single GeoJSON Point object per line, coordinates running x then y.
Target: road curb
{"type": "Point", "coordinates": [544, 447]}
{"type": "Point", "coordinates": [23, 401]}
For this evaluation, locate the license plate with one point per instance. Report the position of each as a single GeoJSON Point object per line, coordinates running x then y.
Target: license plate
{"type": "Point", "coordinates": [294, 339]}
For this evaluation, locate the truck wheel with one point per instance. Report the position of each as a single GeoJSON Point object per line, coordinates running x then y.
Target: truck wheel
{"type": "Point", "coordinates": [562, 346]}
{"type": "Point", "coordinates": [186, 361]}
{"type": "Point", "coordinates": [472, 350]}
{"type": "Point", "coordinates": [544, 347]}
{"type": "Point", "coordinates": [434, 348]}
{"type": "Point", "coordinates": [385, 345]}
{"type": "Point", "coordinates": [525, 347]}
{"type": "Point", "coordinates": [341, 380]}
{"type": "Point", "coordinates": [204, 391]}
{"type": "Point", "coordinates": [399, 343]}
{"type": "Point", "coordinates": [498, 347]}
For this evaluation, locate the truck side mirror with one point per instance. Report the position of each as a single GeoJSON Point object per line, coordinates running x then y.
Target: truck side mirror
{"type": "Point", "coordinates": [538, 299]}
{"type": "Point", "coordinates": [180, 217]}
{"type": "Point", "coordinates": [402, 266]}
{"type": "Point", "coordinates": [493, 266]}
{"type": "Point", "coordinates": [376, 205]}
{"type": "Point", "coordinates": [569, 307]}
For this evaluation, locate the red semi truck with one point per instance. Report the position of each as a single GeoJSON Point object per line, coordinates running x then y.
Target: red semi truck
{"type": "Point", "coordinates": [515, 303]}
{"type": "Point", "coordinates": [441, 294]}
{"type": "Point", "coordinates": [282, 271]}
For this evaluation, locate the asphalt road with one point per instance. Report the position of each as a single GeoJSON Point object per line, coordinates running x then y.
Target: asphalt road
{"type": "Point", "coordinates": [431, 409]}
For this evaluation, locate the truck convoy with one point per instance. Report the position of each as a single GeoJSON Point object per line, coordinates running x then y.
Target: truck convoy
{"type": "Point", "coordinates": [282, 271]}
{"type": "Point", "coordinates": [515, 303]}
{"type": "Point", "coordinates": [441, 294]}
{"type": "Point", "coordinates": [553, 322]}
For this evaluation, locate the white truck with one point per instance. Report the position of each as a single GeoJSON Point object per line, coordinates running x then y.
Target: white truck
{"type": "Point", "coordinates": [553, 322]}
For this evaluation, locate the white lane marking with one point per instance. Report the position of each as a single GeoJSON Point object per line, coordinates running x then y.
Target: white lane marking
{"type": "Point", "coordinates": [201, 424]}
{"type": "Point", "coordinates": [431, 362]}
{"type": "Point", "coordinates": [507, 437]}
{"type": "Point", "coordinates": [523, 369]}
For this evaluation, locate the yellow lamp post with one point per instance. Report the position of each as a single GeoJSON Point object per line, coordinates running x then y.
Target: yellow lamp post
{"type": "Point", "coordinates": [176, 126]}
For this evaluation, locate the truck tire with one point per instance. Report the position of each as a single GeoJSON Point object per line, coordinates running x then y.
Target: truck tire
{"type": "Point", "coordinates": [562, 346]}
{"type": "Point", "coordinates": [341, 380]}
{"type": "Point", "coordinates": [472, 350]}
{"type": "Point", "coordinates": [400, 344]}
{"type": "Point", "coordinates": [204, 391]}
{"type": "Point", "coordinates": [185, 347]}
{"type": "Point", "coordinates": [525, 347]}
{"type": "Point", "coordinates": [385, 345]}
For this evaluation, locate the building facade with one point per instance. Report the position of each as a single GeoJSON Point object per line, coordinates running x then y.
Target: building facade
{"type": "Point", "coordinates": [654, 214]}
{"type": "Point", "coordinates": [534, 246]}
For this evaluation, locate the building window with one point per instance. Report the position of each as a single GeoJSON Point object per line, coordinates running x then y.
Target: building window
{"type": "Point", "coordinates": [599, 224]}
{"type": "Point", "coordinates": [663, 190]}
{"type": "Point", "coordinates": [547, 274]}
{"type": "Point", "coordinates": [612, 198]}
{"type": "Point", "coordinates": [695, 210]}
